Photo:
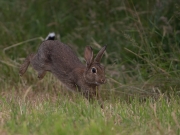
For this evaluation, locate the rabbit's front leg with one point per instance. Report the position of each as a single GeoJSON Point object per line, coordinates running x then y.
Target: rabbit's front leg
{"type": "Point", "coordinates": [92, 94]}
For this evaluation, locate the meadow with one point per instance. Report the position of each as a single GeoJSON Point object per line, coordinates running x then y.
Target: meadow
{"type": "Point", "coordinates": [141, 96]}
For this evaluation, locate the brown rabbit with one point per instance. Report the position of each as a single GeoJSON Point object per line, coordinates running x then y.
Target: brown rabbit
{"type": "Point", "coordinates": [60, 60]}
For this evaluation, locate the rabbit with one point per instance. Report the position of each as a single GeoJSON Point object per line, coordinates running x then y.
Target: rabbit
{"type": "Point", "coordinates": [59, 59]}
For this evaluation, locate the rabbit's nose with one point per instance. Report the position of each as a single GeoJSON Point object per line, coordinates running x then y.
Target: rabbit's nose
{"type": "Point", "coordinates": [103, 80]}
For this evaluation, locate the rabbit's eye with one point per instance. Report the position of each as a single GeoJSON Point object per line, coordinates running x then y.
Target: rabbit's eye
{"type": "Point", "coordinates": [93, 70]}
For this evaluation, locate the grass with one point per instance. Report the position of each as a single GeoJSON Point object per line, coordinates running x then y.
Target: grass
{"type": "Point", "coordinates": [55, 113]}
{"type": "Point", "coordinates": [141, 95]}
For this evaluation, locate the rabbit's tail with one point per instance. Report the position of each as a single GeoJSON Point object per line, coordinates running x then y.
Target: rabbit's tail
{"type": "Point", "coordinates": [51, 36]}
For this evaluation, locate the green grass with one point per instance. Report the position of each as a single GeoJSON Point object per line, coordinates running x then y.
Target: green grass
{"type": "Point", "coordinates": [142, 92]}
{"type": "Point", "coordinates": [55, 113]}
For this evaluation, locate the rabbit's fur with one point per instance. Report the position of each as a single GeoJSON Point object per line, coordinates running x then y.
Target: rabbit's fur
{"type": "Point", "coordinates": [60, 60]}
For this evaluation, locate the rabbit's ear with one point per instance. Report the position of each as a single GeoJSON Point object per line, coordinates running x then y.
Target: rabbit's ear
{"type": "Point", "coordinates": [88, 55]}
{"type": "Point", "coordinates": [100, 54]}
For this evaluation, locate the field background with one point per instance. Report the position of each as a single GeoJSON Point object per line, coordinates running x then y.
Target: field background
{"type": "Point", "coordinates": [142, 62]}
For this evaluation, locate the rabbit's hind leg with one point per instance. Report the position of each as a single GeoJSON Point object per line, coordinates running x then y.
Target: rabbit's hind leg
{"type": "Point", "coordinates": [39, 65]}
{"type": "Point", "coordinates": [25, 65]}
{"type": "Point", "coordinates": [41, 74]}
